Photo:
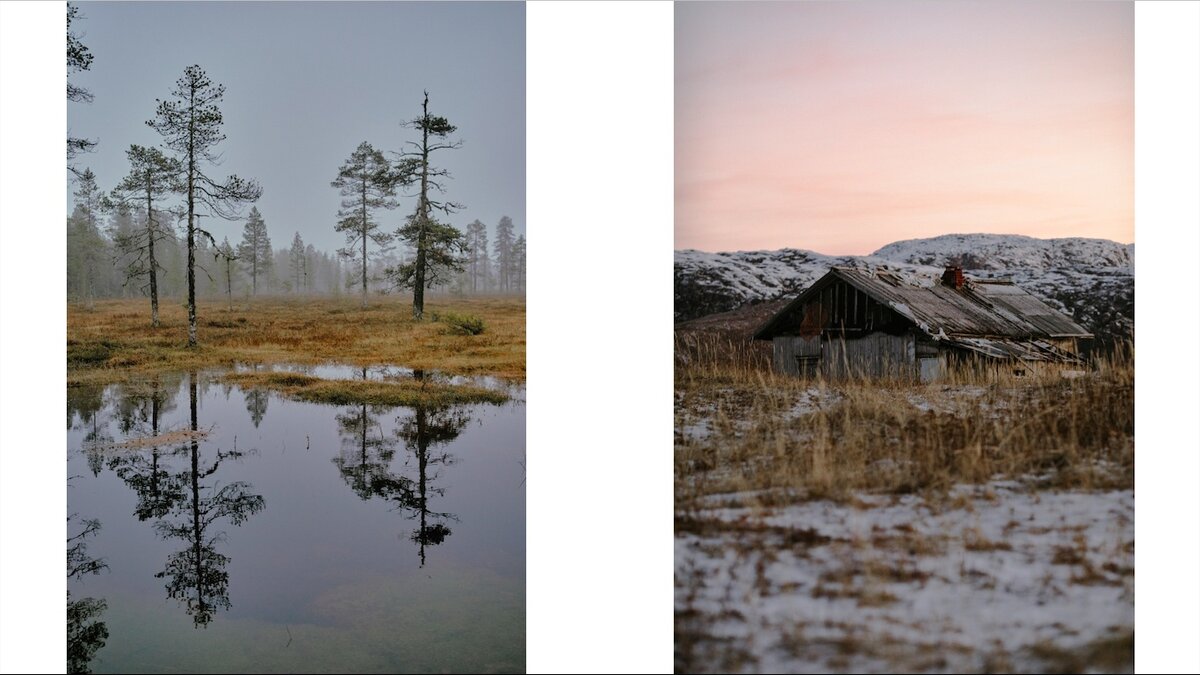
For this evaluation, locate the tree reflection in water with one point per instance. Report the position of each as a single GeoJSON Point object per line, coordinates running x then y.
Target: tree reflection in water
{"type": "Point", "coordinates": [85, 401]}
{"type": "Point", "coordinates": [140, 411]}
{"type": "Point", "coordinates": [186, 502]}
{"type": "Point", "coordinates": [256, 401]}
{"type": "Point", "coordinates": [367, 455]}
{"type": "Point", "coordinates": [196, 575]}
{"type": "Point", "coordinates": [86, 634]}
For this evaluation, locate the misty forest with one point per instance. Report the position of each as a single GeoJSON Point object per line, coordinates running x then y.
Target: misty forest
{"type": "Point", "coordinates": [284, 457]}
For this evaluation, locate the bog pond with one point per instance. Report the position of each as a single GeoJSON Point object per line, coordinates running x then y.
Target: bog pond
{"type": "Point", "coordinates": [240, 530]}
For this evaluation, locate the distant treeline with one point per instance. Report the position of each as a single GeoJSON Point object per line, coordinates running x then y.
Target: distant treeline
{"type": "Point", "coordinates": [149, 235]}
{"type": "Point", "coordinates": [97, 266]}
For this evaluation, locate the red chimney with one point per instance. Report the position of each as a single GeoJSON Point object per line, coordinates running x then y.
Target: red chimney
{"type": "Point", "coordinates": [953, 276]}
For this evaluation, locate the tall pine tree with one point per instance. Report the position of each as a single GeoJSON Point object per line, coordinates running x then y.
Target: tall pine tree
{"type": "Point", "coordinates": [255, 248]}
{"type": "Point", "coordinates": [152, 176]}
{"type": "Point", "coordinates": [296, 262]}
{"type": "Point", "coordinates": [366, 182]}
{"type": "Point", "coordinates": [518, 259]}
{"type": "Point", "coordinates": [504, 244]}
{"type": "Point", "coordinates": [88, 242]}
{"type": "Point", "coordinates": [437, 247]}
{"type": "Point", "coordinates": [477, 254]}
{"type": "Point", "coordinates": [191, 126]}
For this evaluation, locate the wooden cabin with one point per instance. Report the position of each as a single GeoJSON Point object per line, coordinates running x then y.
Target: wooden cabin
{"type": "Point", "coordinates": [856, 323]}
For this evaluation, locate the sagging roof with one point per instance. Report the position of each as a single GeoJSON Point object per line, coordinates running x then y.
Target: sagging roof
{"type": "Point", "coordinates": [992, 314]}
{"type": "Point", "coordinates": [1022, 350]}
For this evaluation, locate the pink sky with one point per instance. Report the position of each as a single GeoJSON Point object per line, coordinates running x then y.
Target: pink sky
{"type": "Point", "coordinates": [843, 126]}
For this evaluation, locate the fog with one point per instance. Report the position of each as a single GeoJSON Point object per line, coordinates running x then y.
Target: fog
{"type": "Point", "coordinates": [305, 83]}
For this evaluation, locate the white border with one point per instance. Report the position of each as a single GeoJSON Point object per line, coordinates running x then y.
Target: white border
{"type": "Point", "coordinates": [1167, 297]}
{"type": "Point", "coordinates": [601, 201]}
{"type": "Point", "coordinates": [33, 122]}
{"type": "Point", "coordinates": [600, 193]}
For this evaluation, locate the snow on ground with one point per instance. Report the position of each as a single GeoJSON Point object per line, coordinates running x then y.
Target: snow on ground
{"type": "Point", "coordinates": [949, 399]}
{"type": "Point", "coordinates": [699, 418]}
{"type": "Point", "coordinates": [992, 577]}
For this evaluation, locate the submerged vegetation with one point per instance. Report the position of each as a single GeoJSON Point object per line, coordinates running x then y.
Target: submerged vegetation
{"type": "Point", "coordinates": [407, 392]}
{"type": "Point", "coordinates": [113, 341]}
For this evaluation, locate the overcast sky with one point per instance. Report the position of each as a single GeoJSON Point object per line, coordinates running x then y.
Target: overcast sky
{"type": "Point", "coordinates": [843, 126]}
{"type": "Point", "coordinates": [305, 83]}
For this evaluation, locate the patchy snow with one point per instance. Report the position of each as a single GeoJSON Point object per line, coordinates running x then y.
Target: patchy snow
{"type": "Point", "coordinates": [890, 583]}
{"type": "Point", "coordinates": [814, 399]}
{"type": "Point", "coordinates": [694, 431]}
{"type": "Point", "coordinates": [1002, 253]}
{"type": "Point", "coordinates": [904, 310]}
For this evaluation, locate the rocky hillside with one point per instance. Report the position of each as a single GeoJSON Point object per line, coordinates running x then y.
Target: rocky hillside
{"type": "Point", "coordinates": [1088, 279]}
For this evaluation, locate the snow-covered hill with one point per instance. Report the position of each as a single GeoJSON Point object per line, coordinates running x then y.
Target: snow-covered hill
{"type": "Point", "coordinates": [1088, 279]}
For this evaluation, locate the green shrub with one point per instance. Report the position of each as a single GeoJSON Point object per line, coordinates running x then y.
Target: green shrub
{"type": "Point", "coordinates": [466, 324]}
{"type": "Point", "coordinates": [89, 353]}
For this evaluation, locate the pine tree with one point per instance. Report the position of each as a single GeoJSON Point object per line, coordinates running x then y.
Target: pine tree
{"type": "Point", "coordinates": [89, 243]}
{"type": "Point", "coordinates": [437, 247]}
{"type": "Point", "coordinates": [226, 252]}
{"type": "Point", "coordinates": [191, 126]}
{"type": "Point", "coordinates": [296, 261]}
{"type": "Point", "coordinates": [255, 249]}
{"type": "Point", "coordinates": [366, 182]}
{"type": "Point", "coordinates": [504, 243]}
{"type": "Point", "coordinates": [518, 256]}
{"type": "Point", "coordinates": [440, 249]}
{"type": "Point", "coordinates": [310, 255]}
{"type": "Point", "coordinates": [79, 58]}
{"type": "Point", "coordinates": [477, 251]}
{"type": "Point", "coordinates": [152, 176]}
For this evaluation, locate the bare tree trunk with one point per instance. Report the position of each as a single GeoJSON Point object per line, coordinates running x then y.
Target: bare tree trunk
{"type": "Point", "coordinates": [191, 277]}
{"type": "Point", "coordinates": [364, 241]}
{"type": "Point", "coordinates": [422, 217]}
{"type": "Point", "coordinates": [191, 201]}
{"type": "Point", "coordinates": [150, 246]}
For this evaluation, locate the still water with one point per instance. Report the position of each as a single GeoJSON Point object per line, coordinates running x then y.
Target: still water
{"type": "Point", "coordinates": [269, 535]}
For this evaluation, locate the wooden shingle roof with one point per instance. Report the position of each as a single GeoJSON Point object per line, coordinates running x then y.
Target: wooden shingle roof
{"type": "Point", "coordinates": [998, 311]}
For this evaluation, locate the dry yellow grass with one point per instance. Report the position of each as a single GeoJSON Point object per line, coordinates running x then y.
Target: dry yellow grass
{"type": "Point", "coordinates": [787, 438]}
{"type": "Point", "coordinates": [114, 340]}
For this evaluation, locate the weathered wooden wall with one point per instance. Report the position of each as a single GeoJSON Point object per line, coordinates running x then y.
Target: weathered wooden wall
{"type": "Point", "coordinates": [876, 355]}
{"type": "Point", "coordinates": [1069, 345]}
{"type": "Point", "coordinates": [840, 307]}
{"type": "Point", "coordinates": [932, 368]}
{"type": "Point", "coordinates": [789, 352]}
